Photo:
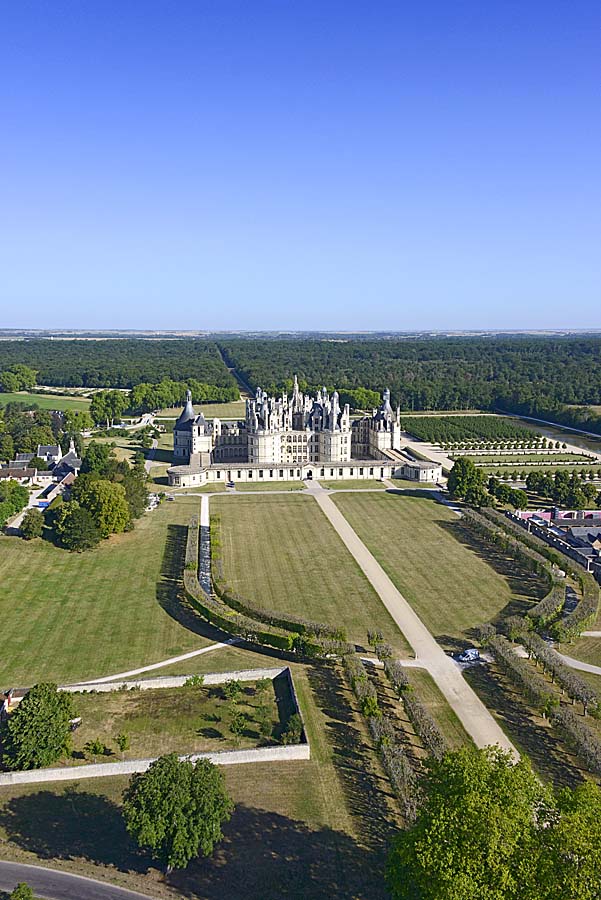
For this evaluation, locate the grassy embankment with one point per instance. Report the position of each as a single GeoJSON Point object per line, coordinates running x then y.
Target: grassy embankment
{"type": "Point", "coordinates": [281, 552]}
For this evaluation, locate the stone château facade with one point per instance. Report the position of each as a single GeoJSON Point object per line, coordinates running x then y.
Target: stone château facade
{"type": "Point", "coordinates": [289, 438]}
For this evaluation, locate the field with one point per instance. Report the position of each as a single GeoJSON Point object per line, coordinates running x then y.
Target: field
{"type": "Point", "coordinates": [520, 459]}
{"type": "Point", "coordinates": [46, 401]}
{"type": "Point", "coordinates": [269, 486]}
{"type": "Point", "coordinates": [449, 429]}
{"type": "Point", "coordinates": [234, 410]}
{"type": "Point", "coordinates": [315, 828]}
{"type": "Point", "coordinates": [68, 616]}
{"type": "Point", "coordinates": [346, 485]}
{"type": "Point", "coordinates": [451, 582]}
{"type": "Point", "coordinates": [280, 552]}
{"type": "Point", "coordinates": [170, 720]}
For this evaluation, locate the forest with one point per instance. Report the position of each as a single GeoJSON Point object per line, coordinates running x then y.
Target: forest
{"type": "Point", "coordinates": [432, 373]}
{"type": "Point", "coordinates": [118, 363]}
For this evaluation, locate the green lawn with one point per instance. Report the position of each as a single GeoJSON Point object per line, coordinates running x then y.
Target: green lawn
{"type": "Point", "coordinates": [345, 485]}
{"type": "Point", "coordinates": [282, 553]}
{"type": "Point", "coordinates": [46, 401]}
{"type": "Point", "coordinates": [234, 410]}
{"type": "Point", "coordinates": [314, 829]}
{"type": "Point", "coordinates": [269, 485]}
{"type": "Point", "coordinates": [518, 459]}
{"type": "Point", "coordinates": [451, 582]}
{"type": "Point", "coordinates": [587, 649]}
{"type": "Point", "coordinates": [70, 616]}
{"type": "Point", "coordinates": [171, 720]}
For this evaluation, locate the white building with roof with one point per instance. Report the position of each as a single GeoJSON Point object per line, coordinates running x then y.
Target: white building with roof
{"type": "Point", "coordinates": [292, 438]}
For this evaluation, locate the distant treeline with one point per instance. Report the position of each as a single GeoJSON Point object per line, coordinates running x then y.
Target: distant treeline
{"type": "Point", "coordinates": [119, 363]}
{"type": "Point", "coordinates": [535, 376]}
{"type": "Point", "coordinates": [449, 373]}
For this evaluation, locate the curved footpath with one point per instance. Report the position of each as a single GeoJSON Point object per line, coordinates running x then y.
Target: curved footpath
{"type": "Point", "coordinates": [52, 884]}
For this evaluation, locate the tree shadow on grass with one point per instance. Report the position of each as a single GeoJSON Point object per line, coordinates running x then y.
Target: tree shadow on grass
{"type": "Point", "coordinates": [525, 586]}
{"type": "Point", "coordinates": [267, 856]}
{"type": "Point", "coordinates": [69, 825]}
{"type": "Point", "coordinates": [170, 592]}
{"type": "Point", "coordinates": [549, 755]}
{"type": "Point", "coordinates": [367, 793]}
{"type": "Point", "coordinates": [264, 855]}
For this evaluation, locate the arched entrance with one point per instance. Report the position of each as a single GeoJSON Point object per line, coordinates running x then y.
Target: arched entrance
{"type": "Point", "coordinates": [310, 475]}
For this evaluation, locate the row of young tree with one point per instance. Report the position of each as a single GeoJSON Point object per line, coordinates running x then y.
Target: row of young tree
{"type": "Point", "coordinates": [120, 363]}
{"type": "Point", "coordinates": [457, 429]}
{"type": "Point", "coordinates": [470, 483]}
{"type": "Point", "coordinates": [564, 488]}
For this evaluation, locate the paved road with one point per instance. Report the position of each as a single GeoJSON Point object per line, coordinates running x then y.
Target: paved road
{"type": "Point", "coordinates": [54, 885]}
{"type": "Point", "coordinates": [582, 666]}
{"type": "Point", "coordinates": [473, 714]}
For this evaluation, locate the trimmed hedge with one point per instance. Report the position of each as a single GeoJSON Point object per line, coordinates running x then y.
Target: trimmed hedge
{"type": "Point", "coordinates": [419, 715]}
{"type": "Point", "coordinates": [191, 559]}
{"type": "Point", "coordinates": [274, 618]}
{"type": "Point", "coordinates": [583, 739]}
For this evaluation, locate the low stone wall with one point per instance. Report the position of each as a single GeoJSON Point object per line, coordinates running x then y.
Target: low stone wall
{"type": "Point", "coordinates": [128, 767]}
{"type": "Point", "coordinates": [174, 681]}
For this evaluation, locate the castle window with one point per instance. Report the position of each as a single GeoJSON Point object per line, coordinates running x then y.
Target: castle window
{"type": "Point", "coordinates": [351, 471]}
{"type": "Point", "coordinates": [218, 474]}
{"type": "Point", "coordinates": [281, 473]}
{"type": "Point", "coordinates": [371, 471]}
{"type": "Point", "coordinates": [340, 471]}
{"type": "Point", "coordinates": [271, 473]}
{"type": "Point", "coordinates": [250, 473]}
{"type": "Point", "coordinates": [360, 471]}
{"type": "Point", "coordinates": [238, 474]}
{"type": "Point", "coordinates": [260, 473]}
{"type": "Point", "coordinates": [322, 472]}
{"type": "Point", "coordinates": [331, 472]}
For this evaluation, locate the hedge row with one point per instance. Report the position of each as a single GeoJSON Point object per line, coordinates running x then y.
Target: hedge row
{"type": "Point", "coordinates": [274, 618]}
{"type": "Point", "coordinates": [548, 608]}
{"type": "Point", "coordinates": [584, 740]}
{"type": "Point", "coordinates": [397, 765]}
{"type": "Point", "coordinates": [419, 715]}
{"type": "Point", "coordinates": [584, 614]}
{"type": "Point", "coordinates": [191, 559]}
{"type": "Point", "coordinates": [588, 607]}
{"type": "Point", "coordinates": [577, 689]}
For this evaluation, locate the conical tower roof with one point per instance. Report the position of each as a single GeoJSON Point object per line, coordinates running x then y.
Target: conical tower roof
{"type": "Point", "coordinates": [187, 414]}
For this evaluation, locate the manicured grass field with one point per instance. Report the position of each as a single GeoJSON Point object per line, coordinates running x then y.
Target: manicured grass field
{"type": "Point", "coordinates": [449, 580]}
{"type": "Point", "coordinates": [282, 553]}
{"type": "Point", "coordinates": [269, 486]}
{"type": "Point", "coordinates": [587, 649]}
{"type": "Point", "coordinates": [71, 616]}
{"type": "Point", "coordinates": [518, 459]}
{"type": "Point", "coordinates": [367, 484]}
{"type": "Point", "coordinates": [46, 401]}
{"type": "Point", "coordinates": [314, 829]}
{"type": "Point", "coordinates": [171, 720]}
{"type": "Point", "coordinates": [234, 410]}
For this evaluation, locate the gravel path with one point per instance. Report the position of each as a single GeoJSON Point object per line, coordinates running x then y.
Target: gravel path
{"type": "Point", "coordinates": [472, 713]}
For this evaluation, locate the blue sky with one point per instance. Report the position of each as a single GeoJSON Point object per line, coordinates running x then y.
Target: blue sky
{"type": "Point", "coordinates": [330, 165]}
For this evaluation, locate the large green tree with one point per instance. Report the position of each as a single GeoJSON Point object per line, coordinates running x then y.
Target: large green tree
{"type": "Point", "coordinates": [38, 732]}
{"type": "Point", "coordinates": [476, 833]}
{"type": "Point", "coordinates": [32, 525]}
{"type": "Point", "coordinates": [466, 479]}
{"type": "Point", "coordinates": [107, 503]}
{"type": "Point", "coordinates": [176, 809]}
{"type": "Point", "coordinates": [76, 528]}
{"type": "Point", "coordinates": [570, 862]}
